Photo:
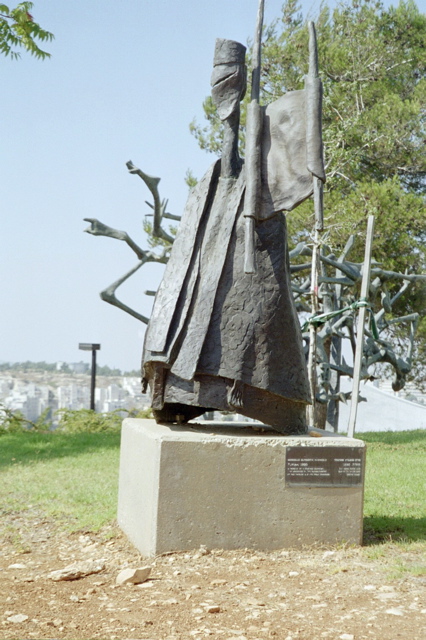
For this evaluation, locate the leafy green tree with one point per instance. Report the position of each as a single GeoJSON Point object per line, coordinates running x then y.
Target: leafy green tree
{"type": "Point", "coordinates": [18, 29]}
{"type": "Point", "coordinates": [373, 61]}
{"type": "Point", "coordinates": [27, 366]}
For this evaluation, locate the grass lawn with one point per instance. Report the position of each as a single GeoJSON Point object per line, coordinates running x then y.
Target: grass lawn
{"type": "Point", "coordinates": [74, 477]}
{"type": "Point", "coordinates": [395, 489]}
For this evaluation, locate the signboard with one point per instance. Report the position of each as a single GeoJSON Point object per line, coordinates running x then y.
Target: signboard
{"type": "Point", "coordinates": [325, 466]}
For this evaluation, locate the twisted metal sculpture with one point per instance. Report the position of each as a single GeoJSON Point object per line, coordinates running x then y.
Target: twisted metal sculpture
{"type": "Point", "coordinates": [97, 228]}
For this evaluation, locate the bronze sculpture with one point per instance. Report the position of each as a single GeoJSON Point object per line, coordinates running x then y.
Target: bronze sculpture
{"type": "Point", "coordinates": [337, 287]}
{"type": "Point", "coordinates": [220, 337]}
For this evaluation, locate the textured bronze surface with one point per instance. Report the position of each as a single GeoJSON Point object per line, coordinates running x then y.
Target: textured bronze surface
{"type": "Point", "coordinates": [221, 338]}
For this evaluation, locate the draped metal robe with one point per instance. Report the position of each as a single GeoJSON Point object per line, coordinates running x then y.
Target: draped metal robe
{"type": "Point", "coordinates": [213, 325]}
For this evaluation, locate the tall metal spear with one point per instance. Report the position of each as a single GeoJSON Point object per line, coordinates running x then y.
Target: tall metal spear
{"type": "Point", "coordinates": [253, 149]}
{"type": "Point", "coordinates": [365, 286]}
{"type": "Point", "coordinates": [319, 226]}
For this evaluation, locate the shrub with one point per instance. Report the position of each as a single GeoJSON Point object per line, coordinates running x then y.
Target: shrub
{"type": "Point", "coordinates": [15, 422]}
{"type": "Point", "coordinates": [87, 420]}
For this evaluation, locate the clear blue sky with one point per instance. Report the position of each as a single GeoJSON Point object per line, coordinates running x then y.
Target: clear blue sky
{"type": "Point", "coordinates": [124, 81]}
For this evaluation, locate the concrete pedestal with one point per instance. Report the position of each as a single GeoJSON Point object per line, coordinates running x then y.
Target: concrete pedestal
{"type": "Point", "coordinates": [231, 487]}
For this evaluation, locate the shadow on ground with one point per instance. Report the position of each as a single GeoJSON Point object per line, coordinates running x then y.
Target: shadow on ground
{"type": "Point", "coordinates": [28, 448]}
{"type": "Point", "coordinates": [378, 529]}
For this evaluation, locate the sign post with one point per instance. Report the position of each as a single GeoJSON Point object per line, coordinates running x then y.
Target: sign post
{"type": "Point", "coordinates": [89, 346]}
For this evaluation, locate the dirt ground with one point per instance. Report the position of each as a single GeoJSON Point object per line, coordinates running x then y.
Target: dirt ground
{"type": "Point", "coordinates": [376, 593]}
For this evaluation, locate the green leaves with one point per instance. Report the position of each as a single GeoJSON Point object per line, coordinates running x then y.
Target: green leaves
{"type": "Point", "coordinates": [88, 421]}
{"type": "Point", "coordinates": [15, 422]}
{"type": "Point", "coordinates": [18, 29]}
{"type": "Point", "coordinates": [373, 67]}
{"type": "Point", "coordinates": [372, 62]}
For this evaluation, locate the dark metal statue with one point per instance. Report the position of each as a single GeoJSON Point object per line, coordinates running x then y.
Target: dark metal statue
{"type": "Point", "coordinates": [224, 335]}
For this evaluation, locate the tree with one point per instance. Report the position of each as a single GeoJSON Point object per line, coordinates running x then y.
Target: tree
{"type": "Point", "coordinates": [18, 29]}
{"type": "Point", "coordinates": [373, 62]}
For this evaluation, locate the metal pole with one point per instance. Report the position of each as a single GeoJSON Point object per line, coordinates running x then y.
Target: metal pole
{"type": "Point", "coordinates": [365, 285]}
{"type": "Point", "coordinates": [312, 357]}
{"type": "Point", "coordinates": [93, 381]}
{"type": "Point", "coordinates": [319, 226]}
{"type": "Point", "coordinates": [93, 347]}
{"type": "Point", "coordinates": [253, 150]}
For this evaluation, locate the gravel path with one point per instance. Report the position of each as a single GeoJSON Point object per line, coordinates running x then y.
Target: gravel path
{"type": "Point", "coordinates": [375, 593]}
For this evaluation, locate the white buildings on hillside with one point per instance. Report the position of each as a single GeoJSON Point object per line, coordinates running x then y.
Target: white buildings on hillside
{"type": "Point", "coordinates": [28, 399]}
{"type": "Point", "coordinates": [72, 396]}
{"type": "Point", "coordinates": [31, 399]}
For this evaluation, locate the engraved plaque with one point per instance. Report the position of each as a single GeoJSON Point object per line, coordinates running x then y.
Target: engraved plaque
{"type": "Point", "coordinates": [325, 466]}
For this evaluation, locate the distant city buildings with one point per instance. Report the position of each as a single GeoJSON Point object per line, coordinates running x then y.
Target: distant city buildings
{"type": "Point", "coordinates": [29, 399]}
{"type": "Point", "coordinates": [125, 395]}
{"type": "Point", "coordinates": [32, 393]}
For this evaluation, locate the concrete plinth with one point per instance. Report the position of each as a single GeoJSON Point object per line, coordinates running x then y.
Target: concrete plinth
{"type": "Point", "coordinates": [231, 487]}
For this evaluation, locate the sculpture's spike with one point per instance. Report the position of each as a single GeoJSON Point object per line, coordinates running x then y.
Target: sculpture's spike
{"type": "Point", "coordinates": [313, 51]}
{"type": "Point", "coordinates": [257, 45]}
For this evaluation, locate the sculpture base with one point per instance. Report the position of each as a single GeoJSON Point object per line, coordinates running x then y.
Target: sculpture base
{"type": "Point", "coordinates": [233, 486]}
